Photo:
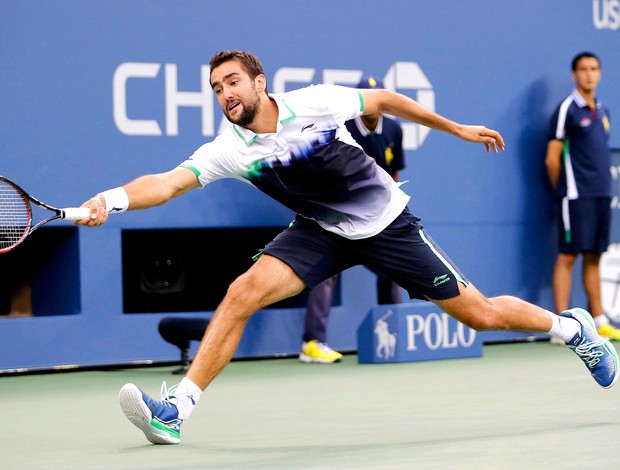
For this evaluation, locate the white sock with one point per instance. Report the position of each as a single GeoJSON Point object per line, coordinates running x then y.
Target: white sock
{"type": "Point", "coordinates": [563, 327]}
{"type": "Point", "coordinates": [188, 394]}
{"type": "Point", "coordinates": [601, 320]}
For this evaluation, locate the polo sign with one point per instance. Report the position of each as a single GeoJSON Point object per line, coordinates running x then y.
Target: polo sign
{"type": "Point", "coordinates": [414, 332]}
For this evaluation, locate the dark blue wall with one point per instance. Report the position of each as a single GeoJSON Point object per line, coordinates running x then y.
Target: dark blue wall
{"type": "Point", "coordinates": [502, 64]}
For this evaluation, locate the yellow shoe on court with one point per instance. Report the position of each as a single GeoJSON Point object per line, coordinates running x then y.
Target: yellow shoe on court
{"type": "Point", "coordinates": [314, 351]}
{"type": "Point", "coordinates": [609, 331]}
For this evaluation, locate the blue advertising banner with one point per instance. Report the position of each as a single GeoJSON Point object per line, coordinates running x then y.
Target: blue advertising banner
{"type": "Point", "coordinates": [414, 332]}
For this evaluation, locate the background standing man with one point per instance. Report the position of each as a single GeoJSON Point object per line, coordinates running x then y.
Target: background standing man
{"type": "Point", "coordinates": [578, 161]}
{"type": "Point", "coordinates": [381, 138]}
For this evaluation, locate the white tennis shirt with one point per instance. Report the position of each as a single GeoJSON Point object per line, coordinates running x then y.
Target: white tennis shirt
{"type": "Point", "coordinates": [311, 164]}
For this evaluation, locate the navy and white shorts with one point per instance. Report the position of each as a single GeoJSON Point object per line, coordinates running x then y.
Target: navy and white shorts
{"type": "Point", "coordinates": [403, 252]}
{"type": "Point", "coordinates": [584, 225]}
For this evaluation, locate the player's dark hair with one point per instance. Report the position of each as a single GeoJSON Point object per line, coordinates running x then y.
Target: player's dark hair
{"type": "Point", "coordinates": [249, 62]}
{"type": "Point", "coordinates": [583, 55]}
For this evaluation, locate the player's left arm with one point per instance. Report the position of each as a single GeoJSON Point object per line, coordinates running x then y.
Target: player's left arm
{"type": "Point", "coordinates": [389, 102]}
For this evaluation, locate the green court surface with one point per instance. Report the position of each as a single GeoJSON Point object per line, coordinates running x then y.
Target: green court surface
{"type": "Point", "coordinates": [524, 405]}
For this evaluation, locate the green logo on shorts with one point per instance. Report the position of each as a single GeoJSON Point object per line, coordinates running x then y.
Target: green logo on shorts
{"type": "Point", "coordinates": [439, 280]}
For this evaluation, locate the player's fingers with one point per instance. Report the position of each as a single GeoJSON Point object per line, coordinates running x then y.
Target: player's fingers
{"type": "Point", "coordinates": [493, 141]}
{"type": "Point", "coordinates": [499, 140]}
{"type": "Point", "coordinates": [98, 216]}
{"type": "Point", "coordinates": [94, 213]}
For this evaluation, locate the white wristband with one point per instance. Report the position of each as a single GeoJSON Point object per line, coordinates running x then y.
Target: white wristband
{"type": "Point", "coordinates": [116, 200]}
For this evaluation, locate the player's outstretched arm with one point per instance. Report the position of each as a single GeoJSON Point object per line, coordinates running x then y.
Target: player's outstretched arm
{"type": "Point", "coordinates": [142, 193]}
{"type": "Point", "coordinates": [389, 102]}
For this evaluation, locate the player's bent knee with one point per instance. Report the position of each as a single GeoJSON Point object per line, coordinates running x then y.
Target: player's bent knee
{"type": "Point", "coordinates": [248, 291]}
{"type": "Point", "coordinates": [474, 310]}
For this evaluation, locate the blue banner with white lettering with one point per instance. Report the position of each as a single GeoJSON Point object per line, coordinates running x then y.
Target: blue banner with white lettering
{"type": "Point", "coordinates": [414, 332]}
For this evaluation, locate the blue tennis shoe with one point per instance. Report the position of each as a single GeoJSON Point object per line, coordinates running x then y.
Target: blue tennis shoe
{"type": "Point", "coordinates": [597, 353]}
{"type": "Point", "coordinates": [157, 419]}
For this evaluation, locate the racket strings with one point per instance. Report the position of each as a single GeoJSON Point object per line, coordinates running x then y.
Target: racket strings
{"type": "Point", "coordinates": [15, 215]}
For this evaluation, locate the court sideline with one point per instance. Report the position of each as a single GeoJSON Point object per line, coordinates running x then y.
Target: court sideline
{"type": "Point", "coordinates": [522, 405]}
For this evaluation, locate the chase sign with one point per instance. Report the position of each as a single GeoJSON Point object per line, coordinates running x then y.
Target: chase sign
{"type": "Point", "coordinates": [131, 79]}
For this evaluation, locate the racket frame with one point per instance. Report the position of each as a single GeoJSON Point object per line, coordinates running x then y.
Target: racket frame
{"type": "Point", "coordinates": [58, 213]}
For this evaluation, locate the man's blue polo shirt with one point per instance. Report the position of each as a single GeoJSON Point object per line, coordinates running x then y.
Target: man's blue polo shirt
{"type": "Point", "coordinates": [586, 156]}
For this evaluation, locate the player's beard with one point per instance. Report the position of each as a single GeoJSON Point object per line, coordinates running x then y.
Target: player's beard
{"type": "Point", "coordinates": [250, 110]}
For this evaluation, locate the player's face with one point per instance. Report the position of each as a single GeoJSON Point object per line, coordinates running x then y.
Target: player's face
{"type": "Point", "coordinates": [587, 74]}
{"type": "Point", "coordinates": [236, 92]}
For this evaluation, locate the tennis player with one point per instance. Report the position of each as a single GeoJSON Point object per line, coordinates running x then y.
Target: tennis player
{"type": "Point", "coordinates": [294, 147]}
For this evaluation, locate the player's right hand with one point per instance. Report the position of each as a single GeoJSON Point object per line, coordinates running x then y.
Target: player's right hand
{"type": "Point", "coordinates": [98, 212]}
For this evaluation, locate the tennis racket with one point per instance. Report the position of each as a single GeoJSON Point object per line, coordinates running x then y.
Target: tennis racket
{"type": "Point", "coordinates": [16, 222]}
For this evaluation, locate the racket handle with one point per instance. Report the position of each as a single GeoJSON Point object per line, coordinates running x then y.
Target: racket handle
{"type": "Point", "coordinates": [75, 213]}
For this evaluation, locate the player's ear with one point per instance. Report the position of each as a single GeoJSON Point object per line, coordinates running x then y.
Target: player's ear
{"type": "Point", "coordinates": [260, 82]}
